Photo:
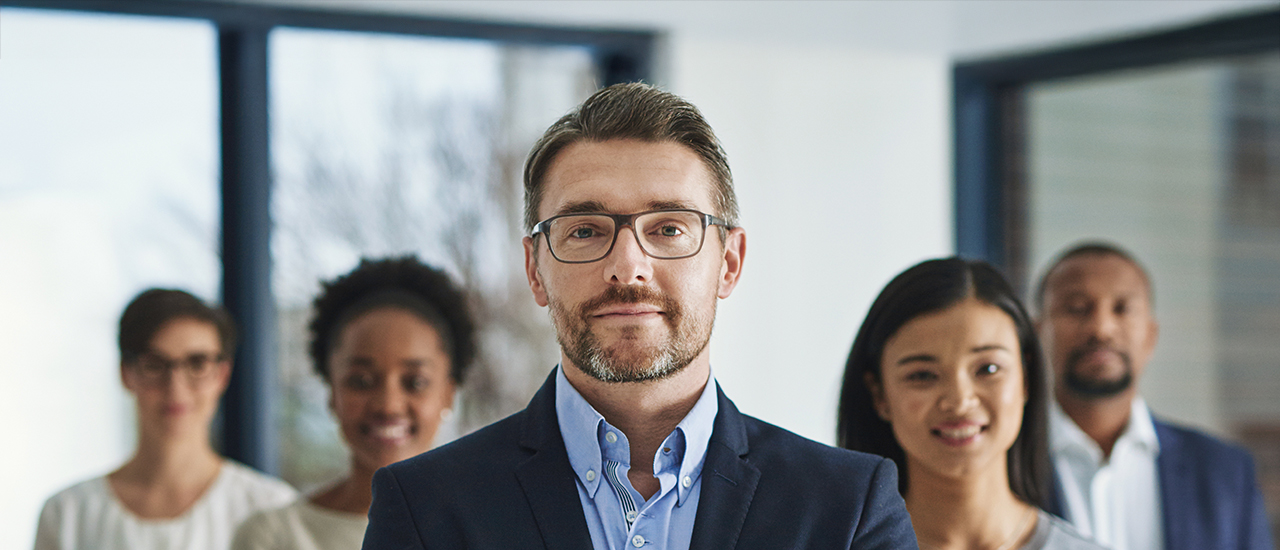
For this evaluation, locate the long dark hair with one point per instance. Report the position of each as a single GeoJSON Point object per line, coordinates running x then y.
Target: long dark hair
{"type": "Point", "coordinates": [928, 287]}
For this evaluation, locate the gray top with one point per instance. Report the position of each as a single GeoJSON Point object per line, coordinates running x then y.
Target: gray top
{"type": "Point", "coordinates": [1053, 533]}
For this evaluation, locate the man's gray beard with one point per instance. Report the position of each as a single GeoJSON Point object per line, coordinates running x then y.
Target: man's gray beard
{"type": "Point", "coordinates": [583, 347]}
{"type": "Point", "coordinates": [1092, 389]}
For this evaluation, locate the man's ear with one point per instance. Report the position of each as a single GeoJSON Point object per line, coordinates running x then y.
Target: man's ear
{"type": "Point", "coordinates": [531, 271]}
{"type": "Point", "coordinates": [735, 253]}
{"type": "Point", "coordinates": [1155, 335]}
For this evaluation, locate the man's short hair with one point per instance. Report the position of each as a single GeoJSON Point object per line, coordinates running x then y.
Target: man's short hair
{"type": "Point", "coordinates": [149, 311]}
{"type": "Point", "coordinates": [631, 111]}
{"type": "Point", "coordinates": [1092, 248]}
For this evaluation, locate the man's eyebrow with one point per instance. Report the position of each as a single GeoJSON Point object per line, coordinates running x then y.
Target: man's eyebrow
{"type": "Point", "coordinates": [595, 207]}
{"type": "Point", "coordinates": [581, 207]}
{"type": "Point", "coordinates": [671, 205]}
{"type": "Point", "coordinates": [917, 358]}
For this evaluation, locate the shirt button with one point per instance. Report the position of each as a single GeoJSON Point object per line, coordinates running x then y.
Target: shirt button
{"type": "Point", "coordinates": [637, 541]}
{"type": "Point", "coordinates": [686, 482]}
{"type": "Point", "coordinates": [611, 437]}
{"type": "Point", "coordinates": [591, 475]}
{"type": "Point", "coordinates": [631, 516]}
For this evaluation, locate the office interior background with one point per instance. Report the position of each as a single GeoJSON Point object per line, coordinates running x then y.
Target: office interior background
{"type": "Point", "coordinates": [247, 150]}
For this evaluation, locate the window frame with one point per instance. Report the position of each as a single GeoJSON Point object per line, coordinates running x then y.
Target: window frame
{"type": "Point", "coordinates": [248, 433]}
{"type": "Point", "coordinates": [990, 127]}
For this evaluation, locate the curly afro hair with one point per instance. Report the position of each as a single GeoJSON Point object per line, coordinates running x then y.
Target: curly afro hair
{"type": "Point", "coordinates": [402, 282]}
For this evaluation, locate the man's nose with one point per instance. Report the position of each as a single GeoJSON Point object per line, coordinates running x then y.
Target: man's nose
{"type": "Point", "coordinates": [1102, 324]}
{"type": "Point", "coordinates": [627, 263]}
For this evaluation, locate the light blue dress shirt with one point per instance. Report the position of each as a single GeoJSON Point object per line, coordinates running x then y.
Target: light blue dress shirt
{"type": "Point", "coordinates": [617, 516]}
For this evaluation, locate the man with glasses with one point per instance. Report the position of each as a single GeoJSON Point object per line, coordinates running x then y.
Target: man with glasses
{"type": "Point", "coordinates": [632, 240]}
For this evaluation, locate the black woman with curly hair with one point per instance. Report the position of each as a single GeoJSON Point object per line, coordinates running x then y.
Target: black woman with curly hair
{"type": "Point", "coordinates": [392, 340]}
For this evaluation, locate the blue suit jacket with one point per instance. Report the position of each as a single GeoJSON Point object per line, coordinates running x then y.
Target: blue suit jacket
{"type": "Point", "coordinates": [510, 486]}
{"type": "Point", "coordinates": [1208, 492]}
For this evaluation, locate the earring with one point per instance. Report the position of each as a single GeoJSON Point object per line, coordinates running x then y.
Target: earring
{"type": "Point", "coordinates": [445, 413]}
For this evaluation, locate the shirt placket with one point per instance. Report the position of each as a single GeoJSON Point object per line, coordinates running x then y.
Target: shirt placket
{"type": "Point", "coordinates": [1101, 495]}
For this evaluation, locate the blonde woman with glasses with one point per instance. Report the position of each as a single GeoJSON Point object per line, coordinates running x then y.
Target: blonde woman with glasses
{"type": "Point", "coordinates": [176, 491]}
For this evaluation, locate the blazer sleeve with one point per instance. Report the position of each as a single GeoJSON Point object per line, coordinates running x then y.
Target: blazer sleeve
{"type": "Point", "coordinates": [885, 523]}
{"type": "Point", "coordinates": [1257, 527]}
{"type": "Point", "coordinates": [391, 525]}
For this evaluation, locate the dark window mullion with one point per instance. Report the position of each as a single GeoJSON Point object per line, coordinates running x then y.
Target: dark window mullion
{"type": "Point", "coordinates": [248, 433]}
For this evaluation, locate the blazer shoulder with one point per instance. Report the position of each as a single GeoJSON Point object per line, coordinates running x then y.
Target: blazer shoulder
{"type": "Point", "coordinates": [472, 454]}
{"type": "Point", "coordinates": [770, 443]}
{"type": "Point", "coordinates": [1198, 445]}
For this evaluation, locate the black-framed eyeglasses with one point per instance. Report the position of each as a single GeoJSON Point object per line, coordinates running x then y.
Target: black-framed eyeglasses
{"type": "Point", "coordinates": [662, 234]}
{"type": "Point", "coordinates": [153, 367]}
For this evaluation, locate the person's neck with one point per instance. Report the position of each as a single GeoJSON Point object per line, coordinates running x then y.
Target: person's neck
{"type": "Point", "coordinates": [980, 511]}
{"type": "Point", "coordinates": [166, 476]}
{"type": "Point", "coordinates": [352, 494]}
{"type": "Point", "coordinates": [184, 461]}
{"type": "Point", "coordinates": [646, 412]}
{"type": "Point", "coordinates": [1103, 420]}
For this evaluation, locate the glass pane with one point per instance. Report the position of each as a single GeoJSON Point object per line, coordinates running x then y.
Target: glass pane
{"type": "Point", "coordinates": [108, 185]}
{"type": "Point", "coordinates": [389, 145]}
{"type": "Point", "coordinates": [1181, 165]}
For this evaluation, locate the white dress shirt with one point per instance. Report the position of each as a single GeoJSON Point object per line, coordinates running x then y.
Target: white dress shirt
{"type": "Point", "coordinates": [1114, 500]}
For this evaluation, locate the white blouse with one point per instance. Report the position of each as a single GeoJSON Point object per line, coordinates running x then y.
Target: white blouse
{"type": "Point", "coordinates": [88, 515]}
{"type": "Point", "coordinates": [302, 526]}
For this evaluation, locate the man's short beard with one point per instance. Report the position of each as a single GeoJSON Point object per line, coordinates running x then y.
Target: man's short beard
{"type": "Point", "coordinates": [583, 347]}
{"type": "Point", "coordinates": [1096, 389]}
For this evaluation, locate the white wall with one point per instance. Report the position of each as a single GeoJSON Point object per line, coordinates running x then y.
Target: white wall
{"type": "Point", "coordinates": [841, 169]}
{"type": "Point", "coordinates": [836, 117]}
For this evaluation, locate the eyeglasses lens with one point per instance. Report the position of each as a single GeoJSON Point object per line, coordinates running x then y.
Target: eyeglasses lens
{"type": "Point", "coordinates": [195, 366]}
{"type": "Point", "coordinates": [662, 235]}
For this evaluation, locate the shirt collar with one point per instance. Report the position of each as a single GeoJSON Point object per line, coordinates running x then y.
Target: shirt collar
{"type": "Point", "coordinates": [695, 431]}
{"type": "Point", "coordinates": [584, 429]}
{"type": "Point", "coordinates": [579, 425]}
{"type": "Point", "coordinates": [1066, 437]}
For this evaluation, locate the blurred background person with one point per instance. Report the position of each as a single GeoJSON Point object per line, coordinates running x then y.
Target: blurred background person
{"type": "Point", "coordinates": [176, 491]}
{"type": "Point", "coordinates": [1126, 477]}
{"type": "Point", "coordinates": [392, 340]}
{"type": "Point", "coordinates": [946, 378]}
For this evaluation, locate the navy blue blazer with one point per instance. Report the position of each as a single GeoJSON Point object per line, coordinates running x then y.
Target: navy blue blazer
{"type": "Point", "coordinates": [1208, 492]}
{"type": "Point", "coordinates": [510, 486]}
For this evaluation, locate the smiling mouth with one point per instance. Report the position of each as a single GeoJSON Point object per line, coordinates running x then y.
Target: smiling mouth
{"type": "Point", "coordinates": [389, 432]}
{"type": "Point", "coordinates": [958, 435]}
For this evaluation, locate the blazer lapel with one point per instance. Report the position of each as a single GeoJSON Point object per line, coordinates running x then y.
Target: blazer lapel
{"type": "Point", "coordinates": [728, 482]}
{"type": "Point", "coordinates": [546, 477]}
{"type": "Point", "coordinates": [1175, 490]}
